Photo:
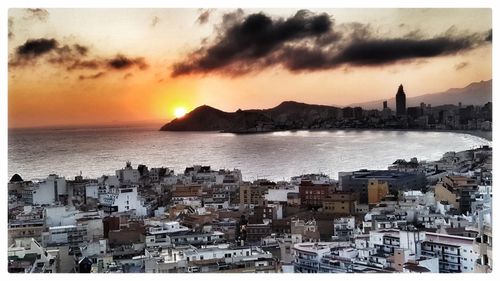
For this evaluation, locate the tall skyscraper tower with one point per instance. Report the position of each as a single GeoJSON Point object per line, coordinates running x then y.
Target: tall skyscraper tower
{"type": "Point", "coordinates": [400, 101]}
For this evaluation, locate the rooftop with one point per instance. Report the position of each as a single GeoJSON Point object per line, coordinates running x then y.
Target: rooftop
{"type": "Point", "coordinates": [448, 239]}
{"type": "Point", "coordinates": [380, 174]}
{"type": "Point", "coordinates": [314, 247]}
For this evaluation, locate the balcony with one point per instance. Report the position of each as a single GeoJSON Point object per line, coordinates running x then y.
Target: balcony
{"type": "Point", "coordinates": [481, 268]}
{"type": "Point", "coordinates": [451, 253]}
{"type": "Point", "coordinates": [449, 262]}
{"type": "Point", "coordinates": [479, 247]}
{"type": "Point", "coordinates": [265, 268]}
{"type": "Point", "coordinates": [302, 267]}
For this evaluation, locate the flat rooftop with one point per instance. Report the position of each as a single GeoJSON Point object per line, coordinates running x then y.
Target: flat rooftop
{"type": "Point", "coordinates": [380, 174]}
{"type": "Point", "coordinates": [448, 239]}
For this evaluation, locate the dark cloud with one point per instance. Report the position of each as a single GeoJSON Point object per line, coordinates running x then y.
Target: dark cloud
{"type": "Point", "coordinates": [83, 64]}
{"type": "Point", "coordinates": [93, 76]}
{"type": "Point", "coordinates": [50, 49]}
{"type": "Point", "coordinates": [155, 21]}
{"type": "Point", "coordinates": [372, 52]}
{"type": "Point", "coordinates": [82, 50]}
{"type": "Point", "coordinates": [310, 42]}
{"type": "Point", "coordinates": [36, 47]}
{"type": "Point", "coordinates": [253, 38]}
{"type": "Point", "coordinates": [204, 16]}
{"type": "Point", "coordinates": [123, 62]}
{"type": "Point", "coordinates": [37, 14]}
{"type": "Point", "coordinates": [74, 57]}
{"type": "Point", "coordinates": [385, 51]}
{"type": "Point", "coordinates": [489, 36]}
{"type": "Point", "coordinates": [461, 65]}
{"type": "Point", "coordinates": [11, 27]}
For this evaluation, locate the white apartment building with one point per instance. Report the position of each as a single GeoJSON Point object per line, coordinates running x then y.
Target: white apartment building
{"type": "Point", "coordinates": [208, 259]}
{"type": "Point", "coordinates": [128, 175]}
{"type": "Point", "coordinates": [172, 233]}
{"type": "Point", "coordinates": [308, 256]}
{"type": "Point", "coordinates": [455, 253]}
{"type": "Point", "coordinates": [46, 191]}
{"type": "Point", "coordinates": [28, 256]}
{"type": "Point", "coordinates": [123, 199]}
{"type": "Point", "coordinates": [343, 228]}
{"type": "Point", "coordinates": [72, 235]}
{"type": "Point", "coordinates": [59, 215]}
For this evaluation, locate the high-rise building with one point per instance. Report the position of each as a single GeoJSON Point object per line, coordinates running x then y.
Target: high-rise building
{"type": "Point", "coordinates": [385, 104]}
{"type": "Point", "coordinates": [400, 101]}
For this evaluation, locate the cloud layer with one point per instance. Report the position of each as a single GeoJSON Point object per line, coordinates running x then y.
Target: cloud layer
{"type": "Point", "coordinates": [204, 16]}
{"type": "Point", "coordinates": [11, 27]}
{"type": "Point", "coordinates": [37, 14]}
{"type": "Point", "coordinates": [309, 42]}
{"type": "Point", "coordinates": [71, 57]}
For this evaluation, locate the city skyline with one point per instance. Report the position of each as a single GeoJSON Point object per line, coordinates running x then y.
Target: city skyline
{"type": "Point", "coordinates": [146, 64]}
{"type": "Point", "coordinates": [254, 140]}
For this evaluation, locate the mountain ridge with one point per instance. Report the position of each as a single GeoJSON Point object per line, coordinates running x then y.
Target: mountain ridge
{"type": "Point", "coordinates": [293, 115]}
{"type": "Point", "coordinates": [482, 91]}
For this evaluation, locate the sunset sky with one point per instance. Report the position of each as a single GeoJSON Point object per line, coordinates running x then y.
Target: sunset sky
{"type": "Point", "coordinates": [100, 66]}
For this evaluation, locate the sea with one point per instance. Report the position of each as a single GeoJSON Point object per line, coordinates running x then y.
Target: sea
{"type": "Point", "coordinates": [93, 152]}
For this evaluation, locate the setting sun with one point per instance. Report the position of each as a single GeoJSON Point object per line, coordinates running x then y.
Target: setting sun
{"type": "Point", "coordinates": [180, 112]}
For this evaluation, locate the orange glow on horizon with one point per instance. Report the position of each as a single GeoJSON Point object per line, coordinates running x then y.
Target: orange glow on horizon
{"type": "Point", "coordinates": [44, 92]}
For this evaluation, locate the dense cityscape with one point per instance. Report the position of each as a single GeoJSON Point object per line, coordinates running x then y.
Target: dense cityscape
{"type": "Point", "coordinates": [291, 115]}
{"type": "Point", "coordinates": [416, 216]}
{"type": "Point", "coordinates": [93, 189]}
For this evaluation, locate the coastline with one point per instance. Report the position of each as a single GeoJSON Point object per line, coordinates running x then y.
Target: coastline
{"type": "Point", "coordinates": [487, 135]}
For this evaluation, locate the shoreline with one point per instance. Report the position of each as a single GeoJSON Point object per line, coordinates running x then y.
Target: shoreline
{"type": "Point", "coordinates": [487, 135]}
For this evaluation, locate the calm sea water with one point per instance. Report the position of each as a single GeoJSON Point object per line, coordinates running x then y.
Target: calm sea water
{"type": "Point", "coordinates": [35, 153]}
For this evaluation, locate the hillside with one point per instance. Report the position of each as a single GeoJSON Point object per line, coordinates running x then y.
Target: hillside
{"type": "Point", "coordinates": [203, 118]}
{"type": "Point", "coordinates": [291, 115]}
{"type": "Point", "coordinates": [287, 115]}
{"type": "Point", "coordinates": [477, 93]}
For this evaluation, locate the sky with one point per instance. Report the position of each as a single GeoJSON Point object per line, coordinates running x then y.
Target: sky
{"type": "Point", "coordinates": [105, 66]}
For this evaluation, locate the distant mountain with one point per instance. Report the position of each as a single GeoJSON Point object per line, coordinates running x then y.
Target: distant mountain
{"type": "Point", "coordinates": [202, 118]}
{"type": "Point", "coordinates": [477, 93]}
{"type": "Point", "coordinates": [288, 115]}
{"type": "Point", "coordinates": [291, 115]}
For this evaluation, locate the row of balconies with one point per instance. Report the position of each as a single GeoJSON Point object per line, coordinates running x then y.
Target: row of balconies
{"type": "Point", "coordinates": [450, 261]}
{"type": "Point", "coordinates": [482, 268]}
{"type": "Point", "coordinates": [440, 251]}
{"type": "Point", "coordinates": [479, 247]}
{"type": "Point", "coordinates": [455, 252]}
{"type": "Point", "coordinates": [299, 267]}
